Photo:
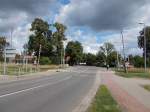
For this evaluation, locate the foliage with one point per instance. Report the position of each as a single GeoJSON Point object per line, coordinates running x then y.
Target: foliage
{"type": "Point", "coordinates": [3, 43]}
{"type": "Point", "coordinates": [91, 59]}
{"type": "Point", "coordinates": [112, 58]}
{"type": "Point", "coordinates": [57, 42]}
{"type": "Point", "coordinates": [51, 42]}
{"type": "Point", "coordinates": [100, 57]}
{"type": "Point", "coordinates": [147, 87]}
{"type": "Point", "coordinates": [141, 40]}
{"type": "Point", "coordinates": [45, 61]}
{"type": "Point", "coordinates": [74, 50]}
{"type": "Point", "coordinates": [103, 102]}
{"type": "Point", "coordinates": [39, 28]}
{"type": "Point", "coordinates": [133, 74]}
{"type": "Point", "coordinates": [138, 61]}
{"type": "Point", "coordinates": [107, 55]}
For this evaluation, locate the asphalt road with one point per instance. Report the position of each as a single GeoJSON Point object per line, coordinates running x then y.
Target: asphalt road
{"type": "Point", "coordinates": [60, 92]}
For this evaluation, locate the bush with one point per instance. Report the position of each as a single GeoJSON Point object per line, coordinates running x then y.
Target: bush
{"type": "Point", "coordinates": [45, 61]}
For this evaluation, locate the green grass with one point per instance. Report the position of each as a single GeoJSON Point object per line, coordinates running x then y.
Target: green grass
{"type": "Point", "coordinates": [103, 102]}
{"type": "Point", "coordinates": [133, 74]}
{"type": "Point", "coordinates": [13, 69]}
{"type": "Point", "coordinates": [147, 87]}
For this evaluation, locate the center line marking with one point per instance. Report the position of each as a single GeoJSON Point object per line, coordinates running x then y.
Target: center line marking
{"type": "Point", "coordinates": [29, 89]}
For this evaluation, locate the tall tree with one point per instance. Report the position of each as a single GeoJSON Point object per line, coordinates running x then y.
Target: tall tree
{"type": "Point", "coordinates": [57, 41]}
{"type": "Point", "coordinates": [106, 51]}
{"type": "Point", "coordinates": [40, 29]}
{"type": "Point", "coordinates": [91, 59]}
{"type": "Point", "coordinates": [51, 42]}
{"type": "Point", "coordinates": [74, 50]}
{"type": "Point", "coordinates": [141, 40]}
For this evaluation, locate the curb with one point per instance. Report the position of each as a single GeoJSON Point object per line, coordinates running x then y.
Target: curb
{"type": "Point", "coordinates": [85, 103]}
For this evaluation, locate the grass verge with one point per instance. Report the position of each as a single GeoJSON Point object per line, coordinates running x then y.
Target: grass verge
{"type": "Point", "coordinates": [103, 102]}
{"type": "Point", "coordinates": [147, 87]}
{"type": "Point", "coordinates": [14, 69]}
{"type": "Point", "coordinates": [133, 75]}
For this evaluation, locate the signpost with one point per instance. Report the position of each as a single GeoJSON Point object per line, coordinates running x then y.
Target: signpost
{"type": "Point", "coordinates": [10, 54]}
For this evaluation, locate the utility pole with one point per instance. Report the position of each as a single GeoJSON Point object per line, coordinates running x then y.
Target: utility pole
{"type": "Point", "coordinates": [122, 37]}
{"type": "Point", "coordinates": [11, 34]}
{"type": "Point", "coordinates": [118, 60]}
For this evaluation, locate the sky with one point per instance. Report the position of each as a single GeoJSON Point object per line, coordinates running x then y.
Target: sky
{"type": "Point", "coordinates": [92, 22]}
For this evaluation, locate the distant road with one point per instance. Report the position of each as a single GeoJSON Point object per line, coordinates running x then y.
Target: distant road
{"type": "Point", "coordinates": [61, 92]}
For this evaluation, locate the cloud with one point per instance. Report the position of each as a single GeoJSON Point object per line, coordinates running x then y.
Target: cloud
{"type": "Point", "coordinates": [30, 6]}
{"type": "Point", "coordinates": [19, 12]}
{"type": "Point", "coordinates": [17, 15]}
{"type": "Point", "coordinates": [102, 14]}
{"type": "Point", "coordinates": [130, 41]}
{"type": "Point", "coordinates": [88, 40]}
{"type": "Point", "coordinates": [21, 35]}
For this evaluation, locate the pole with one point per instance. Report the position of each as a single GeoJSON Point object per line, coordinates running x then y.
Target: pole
{"type": "Point", "coordinates": [117, 60]}
{"type": "Point", "coordinates": [123, 51]}
{"type": "Point", "coordinates": [64, 57]}
{"type": "Point", "coordinates": [64, 54]}
{"type": "Point", "coordinates": [5, 61]}
{"type": "Point", "coordinates": [11, 36]}
{"type": "Point", "coordinates": [61, 58]}
{"type": "Point", "coordinates": [145, 58]}
{"type": "Point", "coordinates": [39, 55]}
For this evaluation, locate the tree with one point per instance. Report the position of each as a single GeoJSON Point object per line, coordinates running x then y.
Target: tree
{"type": "Point", "coordinates": [112, 59]}
{"type": "Point", "coordinates": [100, 57]}
{"type": "Point", "coordinates": [45, 61]}
{"type": "Point", "coordinates": [74, 50]}
{"type": "Point", "coordinates": [141, 41]}
{"type": "Point", "coordinates": [3, 43]}
{"type": "Point", "coordinates": [138, 61]}
{"type": "Point", "coordinates": [57, 41]}
{"type": "Point", "coordinates": [106, 51]}
{"type": "Point", "coordinates": [91, 59]}
{"type": "Point", "coordinates": [51, 42]}
{"type": "Point", "coordinates": [39, 37]}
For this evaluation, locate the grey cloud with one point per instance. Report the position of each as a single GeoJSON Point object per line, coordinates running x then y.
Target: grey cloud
{"type": "Point", "coordinates": [14, 13]}
{"type": "Point", "coordinates": [29, 6]}
{"type": "Point", "coordinates": [102, 14]}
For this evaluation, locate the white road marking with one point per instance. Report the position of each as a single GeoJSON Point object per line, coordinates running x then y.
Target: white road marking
{"type": "Point", "coordinates": [29, 89]}
{"type": "Point", "coordinates": [35, 81]}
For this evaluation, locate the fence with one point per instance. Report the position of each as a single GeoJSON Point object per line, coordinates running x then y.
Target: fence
{"type": "Point", "coordinates": [17, 69]}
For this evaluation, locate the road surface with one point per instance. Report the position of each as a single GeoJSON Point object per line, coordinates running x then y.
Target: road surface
{"type": "Point", "coordinates": [61, 92]}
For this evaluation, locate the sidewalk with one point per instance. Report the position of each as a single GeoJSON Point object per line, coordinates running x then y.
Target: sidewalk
{"type": "Point", "coordinates": [128, 92]}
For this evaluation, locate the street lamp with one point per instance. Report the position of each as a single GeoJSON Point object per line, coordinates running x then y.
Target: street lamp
{"type": "Point", "coordinates": [145, 58]}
